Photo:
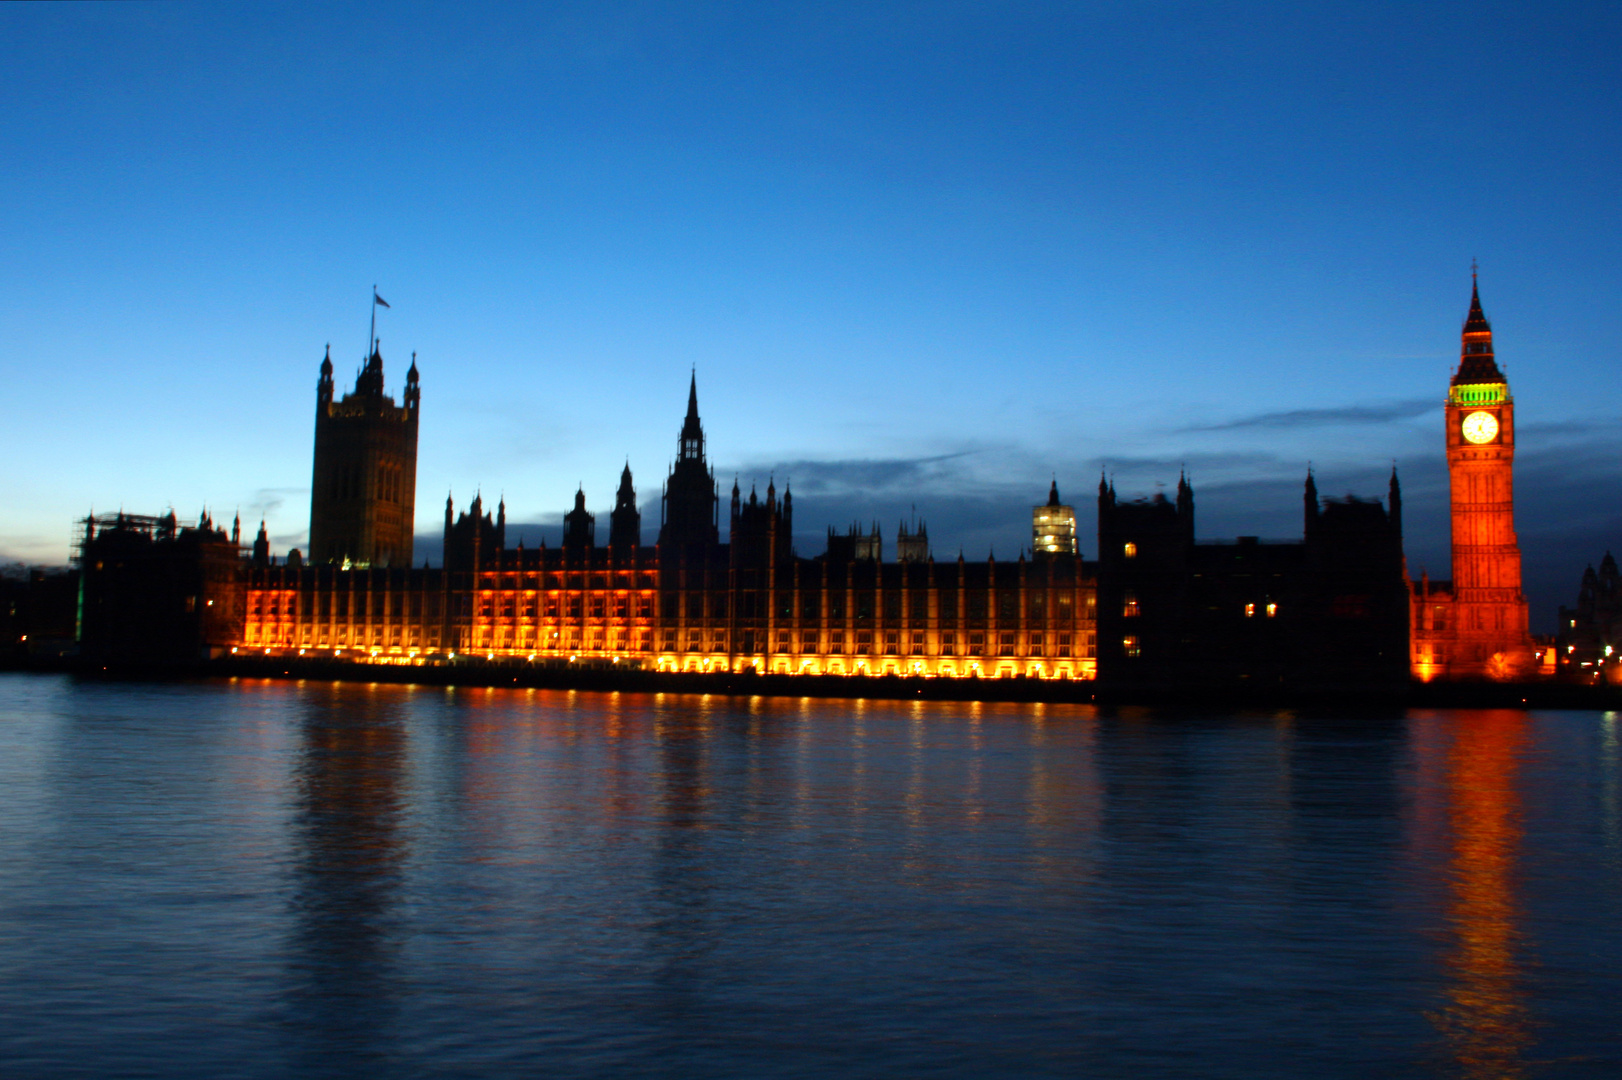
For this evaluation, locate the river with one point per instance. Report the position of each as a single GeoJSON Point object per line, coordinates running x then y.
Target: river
{"type": "Point", "coordinates": [244, 878]}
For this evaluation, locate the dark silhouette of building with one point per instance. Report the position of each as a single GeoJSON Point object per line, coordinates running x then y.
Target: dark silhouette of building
{"type": "Point", "coordinates": [1327, 612]}
{"type": "Point", "coordinates": [579, 526]}
{"type": "Point", "coordinates": [261, 547]}
{"type": "Point", "coordinates": [363, 491]}
{"type": "Point", "coordinates": [156, 593]}
{"type": "Point", "coordinates": [625, 523]}
{"type": "Point", "coordinates": [473, 534]}
{"type": "Point", "coordinates": [39, 610]}
{"type": "Point", "coordinates": [1588, 647]}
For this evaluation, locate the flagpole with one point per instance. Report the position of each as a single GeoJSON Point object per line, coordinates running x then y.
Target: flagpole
{"type": "Point", "coordinates": [371, 337]}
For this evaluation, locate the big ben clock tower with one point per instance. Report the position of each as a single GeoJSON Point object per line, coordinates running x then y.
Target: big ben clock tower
{"type": "Point", "coordinates": [1488, 618]}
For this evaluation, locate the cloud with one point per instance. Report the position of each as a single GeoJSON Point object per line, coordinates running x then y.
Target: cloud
{"type": "Point", "coordinates": [1344, 415]}
{"type": "Point", "coordinates": [266, 501]}
{"type": "Point", "coordinates": [1203, 463]}
{"type": "Point", "coordinates": [862, 475]}
{"type": "Point", "coordinates": [33, 549]}
{"type": "Point", "coordinates": [1571, 429]}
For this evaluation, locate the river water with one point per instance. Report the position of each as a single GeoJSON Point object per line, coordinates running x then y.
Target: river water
{"type": "Point", "coordinates": [260, 879]}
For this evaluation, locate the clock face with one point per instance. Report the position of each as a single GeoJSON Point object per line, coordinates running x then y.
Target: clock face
{"type": "Point", "coordinates": [1480, 427]}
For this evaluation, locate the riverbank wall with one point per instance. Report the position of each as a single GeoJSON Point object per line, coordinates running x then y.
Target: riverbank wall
{"type": "Point", "coordinates": [1542, 695]}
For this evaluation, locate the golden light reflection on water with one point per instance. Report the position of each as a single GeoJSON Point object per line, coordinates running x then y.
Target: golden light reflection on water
{"type": "Point", "coordinates": [1486, 1025]}
{"type": "Point", "coordinates": [913, 803]}
{"type": "Point", "coordinates": [974, 805]}
{"type": "Point", "coordinates": [1610, 788]}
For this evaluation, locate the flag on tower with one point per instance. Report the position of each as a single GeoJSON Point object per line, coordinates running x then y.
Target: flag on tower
{"type": "Point", "coordinates": [376, 299]}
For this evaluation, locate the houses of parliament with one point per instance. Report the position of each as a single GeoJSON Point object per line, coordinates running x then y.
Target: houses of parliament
{"type": "Point", "coordinates": [723, 588]}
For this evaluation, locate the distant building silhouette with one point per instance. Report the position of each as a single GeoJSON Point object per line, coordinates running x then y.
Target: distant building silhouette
{"type": "Point", "coordinates": [39, 611]}
{"type": "Point", "coordinates": [856, 543]}
{"type": "Point", "coordinates": [625, 523]}
{"type": "Point", "coordinates": [912, 542]}
{"type": "Point", "coordinates": [363, 490]}
{"type": "Point", "coordinates": [1589, 644]}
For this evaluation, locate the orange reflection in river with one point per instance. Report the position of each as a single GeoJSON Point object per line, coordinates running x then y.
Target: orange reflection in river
{"type": "Point", "coordinates": [1485, 1024]}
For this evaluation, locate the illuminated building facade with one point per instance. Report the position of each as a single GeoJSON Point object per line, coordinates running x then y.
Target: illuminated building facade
{"type": "Point", "coordinates": [1053, 526]}
{"type": "Point", "coordinates": [691, 603]}
{"type": "Point", "coordinates": [1475, 626]}
{"type": "Point", "coordinates": [1327, 612]}
{"type": "Point", "coordinates": [363, 488]}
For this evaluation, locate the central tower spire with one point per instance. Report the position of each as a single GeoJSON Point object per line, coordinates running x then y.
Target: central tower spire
{"type": "Point", "coordinates": [691, 443]}
{"type": "Point", "coordinates": [690, 503]}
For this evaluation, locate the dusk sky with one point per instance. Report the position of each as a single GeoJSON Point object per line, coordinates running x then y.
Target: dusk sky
{"type": "Point", "coordinates": [927, 255]}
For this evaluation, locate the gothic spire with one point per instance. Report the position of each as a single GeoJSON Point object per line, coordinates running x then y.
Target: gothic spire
{"type": "Point", "coordinates": [692, 431]}
{"type": "Point", "coordinates": [1476, 321]}
{"type": "Point", "coordinates": [1476, 363]}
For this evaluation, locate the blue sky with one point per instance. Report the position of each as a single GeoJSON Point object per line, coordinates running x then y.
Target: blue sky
{"type": "Point", "coordinates": [921, 255]}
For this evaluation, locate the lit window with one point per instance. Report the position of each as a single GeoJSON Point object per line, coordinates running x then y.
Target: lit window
{"type": "Point", "coordinates": [1272, 610]}
{"type": "Point", "coordinates": [1130, 645]}
{"type": "Point", "coordinates": [1131, 550]}
{"type": "Point", "coordinates": [1250, 611]}
{"type": "Point", "coordinates": [1129, 605]}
